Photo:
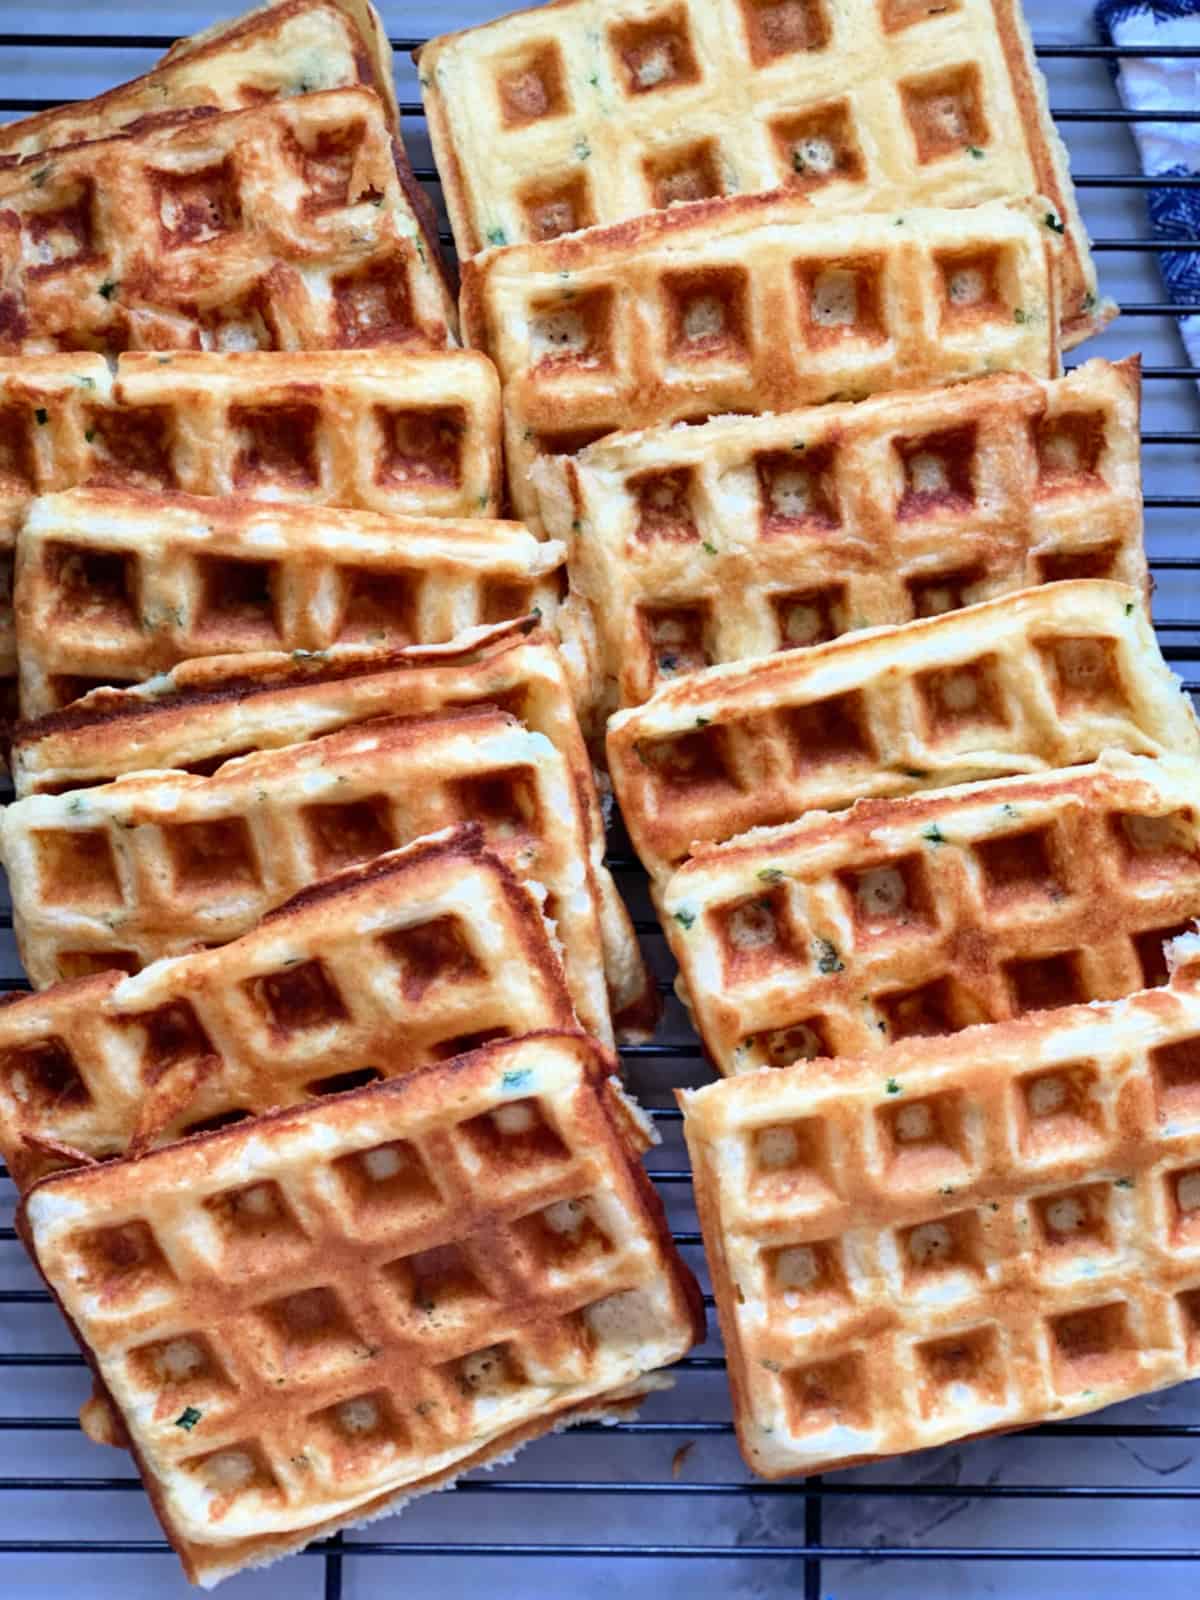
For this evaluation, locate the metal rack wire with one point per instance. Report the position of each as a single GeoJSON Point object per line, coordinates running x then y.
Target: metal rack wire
{"type": "Point", "coordinates": [675, 1525]}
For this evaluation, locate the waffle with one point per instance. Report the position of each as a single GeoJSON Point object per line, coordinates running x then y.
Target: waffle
{"type": "Point", "coordinates": [1039, 679]}
{"type": "Point", "coordinates": [414, 957]}
{"type": "Point", "coordinates": [295, 48]}
{"type": "Point", "coordinates": [308, 1320]}
{"type": "Point", "coordinates": [838, 935]}
{"type": "Point", "coordinates": [285, 226]}
{"type": "Point", "coordinates": [177, 861]}
{"type": "Point", "coordinates": [586, 112]}
{"type": "Point", "coordinates": [206, 711]}
{"type": "Point", "coordinates": [754, 304]}
{"type": "Point", "coordinates": [956, 1236]}
{"type": "Point", "coordinates": [746, 535]}
{"type": "Point", "coordinates": [384, 430]}
{"type": "Point", "coordinates": [113, 585]}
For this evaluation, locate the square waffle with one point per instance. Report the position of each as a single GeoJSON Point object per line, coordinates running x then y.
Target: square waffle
{"type": "Point", "coordinates": [754, 304]}
{"type": "Point", "coordinates": [204, 712]}
{"type": "Point", "coordinates": [1039, 679]}
{"type": "Point", "coordinates": [414, 957]}
{"type": "Point", "coordinates": [298, 47]}
{"type": "Point", "coordinates": [586, 112]}
{"type": "Point", "coordinates": [113, 585]}
{"type": "Point", "coordinates": [283, 226]}
{"type": "Point", "coordinates": [697, 545]}
{"type": "Point", "coordinates": [178, 861]}
{"type": "Point", "coordinates": [307, 1320]}
{"type": "Point", "coordinates": [838, 935]}
{"type": "Point", "coordinates": [956, 1236]}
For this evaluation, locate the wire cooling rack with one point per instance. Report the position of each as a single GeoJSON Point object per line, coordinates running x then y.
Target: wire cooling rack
{"type": "Point", "coordinates": [663, 1505]}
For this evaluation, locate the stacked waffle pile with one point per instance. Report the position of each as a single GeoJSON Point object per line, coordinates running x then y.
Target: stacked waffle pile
{"type": "Point", "coordinates": [777, 292]}
{"type": "Point", "coordinates": [314, 1111]}
{"type": "Point", "coordinates": [307, 855]}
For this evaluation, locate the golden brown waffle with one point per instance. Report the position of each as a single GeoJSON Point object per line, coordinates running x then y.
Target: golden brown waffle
{"type": "Point", "coordinates": [397, 431]}
{"type": "Point", "coordinates": [307, 1320]}
{"type": "Point", "coordinates": [415, 957]}
{"type": "Point", "coordinates": [177, 861]}
{"type": "Point", "coordinates": [746, 535]}
{"type": "Point", "coordinates": [298, 47]}
{"type": "Point", "coordinates": [113, 585]}
{"type": "Point", "coordinates": [286, 226]}
{"type": "Point", "coordinates": [206, 711]}
{"type": "Point", "coordinates": [754, 304]}
{"type": "Point", "coordinates": [1039, 679]}
{"type": "Point", "coordinates": [585, 112]}
{"type": "Point", "coordinates": [839, 935]}
{"type": "Point", "coordinates": [956, 1236]}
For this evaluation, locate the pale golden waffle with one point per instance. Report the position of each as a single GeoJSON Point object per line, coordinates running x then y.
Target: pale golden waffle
{"type": "Point", "coordinates": [113, 585]}
{"type": "Point", "coordinates": [396, 431]}
{"type": "Point", "coordinates": [1039, 679]}
{"type": "Point", "coordinates": [284, 226]}
{"type": "Point", "coordinates": [175, 861]}
{"type": "Point", "coordinates": [298, 47]}
{"type": "Point", "coordinates": [754, 304]}
{"type": "Point", "coordinates": [307, 1320]}
{"type": "Point", "coordinates": [746, 535]}
{"type": "Point", "coordinates": [956, 1236]}
{"type": "Point", "coordinates": [206, 711]}
{"type": "Point", "coordinates": [588, 112]}
{"type": "Point", "coordinates": [417, 956]}
{"type": "Point", "coordinates": [838, 935]}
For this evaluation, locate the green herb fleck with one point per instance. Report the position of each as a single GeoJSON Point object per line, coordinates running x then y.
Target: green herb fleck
{"type": "Point", "coordinates": [1089, 302]}
{"type": "Point", "coordinates": [667, 663]}
{"type": "Point", "coordinates": [594, 79]}
{"type": "Point", "coordinates": [484, 501]}
{"type": "Point", "coordinates": [771, 1366]}
{"type": "Point", "coordinates": [42, 415]}
{"type": "Point", "coordinates": [377, 200]}
{"type": "Point", "coordinates": [709, 548]}
{"type": "Point", "coordinates": [497, 236]}
{"type": "Point", "coordinates": [84, 381]}
{"type": "Point", "coordinates": [898, 222]}
{"type": "Point", "coordinates": [39, 177]}
{"type": "Point", "coordinates": [582, 149]}
{"type": "Point", "coordinates": [828, 960]}
{"type": "Point", "coordinates": [75, 805]}
{"type": "Point", "coordinates": [1018, 314]}
{"type": "Point", "coordinates": [107, 289]}
{"type": "Point", "coordinates": [946, 1188]}
{"type": "Point", "coordinates": [703, 722]}
{"type": "Point", "coordinates": [685, 918]}
{"type": "Point", "coordinates": [975, 152]}
{"type": "Point", "coordinates": [1129, 608]}
{"type": "Point", "coordinates": [1053, 223]}
{"type": "Point", "coordinates": [934, 835]}
{"type": "Point", "coordinates": [188, 1418]}
{"type": "Point", "coordinates": [799, 444]}
{"type": "Point", "coordinates": [1124, 1183]}
{"type": "Point", "coordinates": [915, 772]}
{"type": "Point", "coordinates": [518, 1078]}
{"type": "Point", "coordinates": [893, 1087]}
{"type": "Point", "coordinates": [770, 874]}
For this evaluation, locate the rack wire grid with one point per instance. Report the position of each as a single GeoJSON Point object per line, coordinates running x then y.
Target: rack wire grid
{"type": "Point", "coordinates": [664, 1505]}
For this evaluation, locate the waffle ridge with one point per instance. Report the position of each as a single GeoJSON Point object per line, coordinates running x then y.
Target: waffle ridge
{"type": "Point", "coordinates": [307, 1318]}
{"type": "Point", "coordinates": [407, 960]}
{"type": "Point", "coordinates": [841, 934]}
{"type": "Point", "coordinates": [745, 535]}
{"type": "Point", "coordinates": [114, 585]}
{"type": "Point", "coordinates": [287, 225]}
{"type": "Point", "coordinates": [582, 114]}
{"type": "Point", "coordinates": [1035, 680]}
{"type": "Point", "coordinates": [207, 711]}
{"type": "Point", "coordinates": [296, 47]}
{"type": "Point", "coordinates": [752, 304]}
{"type": "Point", "coordinates": [957, 1236]}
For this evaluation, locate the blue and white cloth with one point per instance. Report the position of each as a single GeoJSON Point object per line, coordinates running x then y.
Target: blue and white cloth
{"type": "Point", "coordinates": [1167, 149]}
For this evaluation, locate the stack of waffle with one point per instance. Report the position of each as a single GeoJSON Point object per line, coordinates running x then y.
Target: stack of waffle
{"type": "Point", "coordinates": [777, 292]}
{"type": "Point", "coordinates": [307, 853]}
{"type": "Point", "coordinates": [817, 548]}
